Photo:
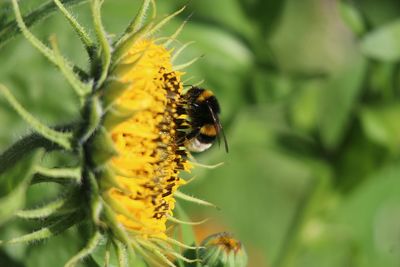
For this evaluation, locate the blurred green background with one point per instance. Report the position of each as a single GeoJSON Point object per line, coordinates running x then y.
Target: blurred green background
{"type": "Point", "coordinates": [310, 105]}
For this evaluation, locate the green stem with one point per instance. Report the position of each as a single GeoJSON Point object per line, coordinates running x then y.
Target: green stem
{"type": "Point", "coordinates": [299, 219]}
{"type": "Point", "coordinates": [11, 29]}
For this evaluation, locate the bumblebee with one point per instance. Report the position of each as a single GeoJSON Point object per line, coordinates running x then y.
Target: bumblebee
{"type": "Point", "coordinates": [203, 109]}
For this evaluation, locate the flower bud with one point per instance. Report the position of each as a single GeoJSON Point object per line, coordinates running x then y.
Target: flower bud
{"type": "Point", "coordinates": [222, 250]}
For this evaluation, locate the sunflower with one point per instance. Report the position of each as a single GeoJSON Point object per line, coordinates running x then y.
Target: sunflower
{"type": "Point", "coordinates": [129, 143]}
{"type": "Point", "coordinates": [149, 154]}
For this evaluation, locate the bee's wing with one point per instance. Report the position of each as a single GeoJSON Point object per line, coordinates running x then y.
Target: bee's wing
{"type": "Point", "coordinates": [219, 128]}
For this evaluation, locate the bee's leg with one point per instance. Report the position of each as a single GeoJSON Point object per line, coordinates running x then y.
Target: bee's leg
{"type": "Point", "coordinates": [187, 136]}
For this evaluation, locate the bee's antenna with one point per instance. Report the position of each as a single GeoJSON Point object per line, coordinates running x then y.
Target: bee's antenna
{"type": "Point", "coordinates": [194, 85]}
{"type": "Point", "coordinates": [225, 141]}
{"type": "Point", "coordinates": [219, 128]}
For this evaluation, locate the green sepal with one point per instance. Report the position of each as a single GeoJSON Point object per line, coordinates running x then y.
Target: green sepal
{"type": "Point", "coordinates": [117, 115]}
{"type": "Point", "coordinates": [107, 254]}
{"type": "Point", "coordinates": [118, 257]}
{"type": "Point", "coordinates": [62, 206]}
{"type": "Point", "coordinates": [112, 89]}
{"type": "Point", "coordinates": [96, 205]}
{"type": "Point", "coordinates": [57, 174]}
{"type": "Point", "coordinates": [104, 255]}
{"type": "Point", "coordinates": [173, 37]}
{"type": "Point", "coordinates": [43, 211]}
{"type": "Point", "coordinates": [14, 183]}
{"type": "Point", "coordinates": [90, 247]}
{"type": "Point", "coordinates": [81, 88]}
{"type": "Point", "coordinates": [108, 180]}
{"type": "Point", "coordinates": [187, 64]}
{"type": "Point", "coordinates": [101, 147]}
{"type": "Point", "coordinates": [61, 138]}
{"type": "Point", "coordinates": [11, 29]}
{"type": "Point", "coordinates": [118, 208]}
{"type": "Point", "coordinates": [187, 231]}
{"type": "Point", "coordinates": [123, 68]}
{"type": "Point", "coordinates": [180, 50]}
{"type": "Point", "coordinates": [53, 56]}
{"type": "Point", "coordinates": [156, 254]}
{"type": "Point", "coordinates": [19, 149]}
{"type": "Point", "coordinates": [123, 46]}
{"type": "Point", "coordinates": [120, 235]}
{"type": "Point", "coordinates": [188, 198]}
{"type": "Point", "coordinates": [122, 253]}
{"type": "Point", "coordinates": [137, 22]}
{"type": "Point", "coordinates": [352, 17]}
{"type": "Point", "coordinates": [116, 228]}
{"type": "Point", "coordinates": [78, 28]}
{"type": "Point", "coordinates": [164, 21]}
{"type": "Point", "coordinates": [92, 117]}
{"type": "Point", "coordinates": [105, 47]}
{"type": "Point", "coordinates": [51, 230]}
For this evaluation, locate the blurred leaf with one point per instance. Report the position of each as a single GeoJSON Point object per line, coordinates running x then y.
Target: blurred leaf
{"type": "Point", "coordinates": [221, 48]}
{"type": "Point", "coordinates": [233, 18]}
{"type": "Point", "coordinates": [14, 183]}
{"type": "Point", "coordinates": [56, 251]}
{"type": "Point", "coordinates": [382, 80]}
{"type": "Point", "coordinates": [383, 43]}
{"type": "Point", "coordinates": [368, 239]}
{"type": "Point", "coordinates": [259, 183]}
{"type": "Point", "coordinates": [325, 244]}
{"type": "Point", "coordinates": [265, 13]}
{"type": "Point", "coordinates": [380, 124]}
{"type": "Point", "coordinates": [224, 56]}
{"type": "Point", "coordinates": [268, 87]}
{"type": "Point", "coordinates": [304, 105]}
{"type": "Point", "coordinates": [6, 260]}
{"type": "Point", "coordinates": [375, 228]}
{"type": "Point", "coordinates": [338, 99]}
{"type": "Point", "coordinates": [357, 150]}
{"type": "Point", "coordinates": [5, 13]}
{"type": "Point", "coordinates": [352, 17]}
{"type": "Point", "coordinates": [303, 41]}
{"type": "Point", "coordinates": [16, 252]}
{"type": "Point", "coordinates": [380, 12]}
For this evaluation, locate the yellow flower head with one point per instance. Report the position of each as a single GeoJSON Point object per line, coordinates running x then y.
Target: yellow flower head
{"type": "Point", "coordinates": [150, 153]}
{"type": "Point", "coordinates": [128, 145]}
